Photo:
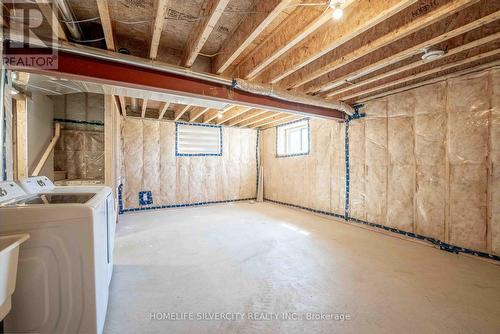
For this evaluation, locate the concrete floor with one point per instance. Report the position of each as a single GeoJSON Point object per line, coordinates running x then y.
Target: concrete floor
{"type": "Point", "coordinates": [264, 259]}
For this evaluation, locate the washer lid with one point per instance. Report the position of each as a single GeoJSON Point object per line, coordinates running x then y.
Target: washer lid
{"type": "Point", "coordinates": [9, 190]}
{"type": "Point", "coordinates": [53, 198]}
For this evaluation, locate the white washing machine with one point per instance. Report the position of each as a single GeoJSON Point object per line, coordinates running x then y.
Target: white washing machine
{"type": "Point", "coordinates": [42, 184]}
{"type": "Point", "coordinates": [64, 268]}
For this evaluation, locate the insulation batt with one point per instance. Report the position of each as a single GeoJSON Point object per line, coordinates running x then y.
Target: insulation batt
{"type": "Point", "coordinates": [315, 180]}
{"type": "Point", "coordinates": [150, 164]}
{"type": "Point", "coordinates": [81, 154]}
{"type": "Point", "coordinates": [424, 161]}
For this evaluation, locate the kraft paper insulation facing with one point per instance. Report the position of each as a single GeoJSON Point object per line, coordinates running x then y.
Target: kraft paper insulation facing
{"type": "Point", "coordinates": [423, 161]}
{"type": "Point", "coordinates": [150, 164]}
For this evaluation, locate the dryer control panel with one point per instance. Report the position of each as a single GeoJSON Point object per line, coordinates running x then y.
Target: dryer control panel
{"type": "Point", "coordinates": [37, 184]}
{"type": "Point", "coordinates": [9, 190]}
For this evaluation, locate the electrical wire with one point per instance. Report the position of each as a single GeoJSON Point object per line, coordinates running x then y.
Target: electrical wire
{"type": "Point", "coordinates": [97, 18]}
{"type": "Point", "coordinates": [87, 40]}
{"type": "Point", "coordinates": [210, 55]}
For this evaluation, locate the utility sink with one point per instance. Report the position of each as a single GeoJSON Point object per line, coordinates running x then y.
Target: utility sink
{"type": "Point", "coordinates": [9, 253]}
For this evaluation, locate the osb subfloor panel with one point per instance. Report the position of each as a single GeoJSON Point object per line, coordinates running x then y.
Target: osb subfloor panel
{"type": "Point", "coordinates": [267, 258]}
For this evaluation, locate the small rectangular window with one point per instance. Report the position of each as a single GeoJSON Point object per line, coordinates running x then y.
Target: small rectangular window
{"type": "Point", "coordinates": [292, 139]}
{"type": "Point", "coordinates": [198, 140]}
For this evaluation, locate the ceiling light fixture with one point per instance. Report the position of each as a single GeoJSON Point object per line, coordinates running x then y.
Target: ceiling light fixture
{"type": "Point", "coordinates": [336, 5]}
{"type": "Point", "coordinates": [430, 55]}
{"type": "Point", "coordinates": [219, 114]}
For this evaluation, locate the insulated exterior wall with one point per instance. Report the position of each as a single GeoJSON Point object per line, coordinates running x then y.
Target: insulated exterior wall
{"type": "Point", "coordinates": [430, 160]}
{"type": "Point", "coordinates": [315, 180]}
{"type": "Point", "coordinates": [424, 161]}
{"type": "Point", "coordinates": [468, 115]}
{"type": "Point", "coordinates": [150, 164]}
{"type": "Point", "coordinates": [494, 164]}
{"type": "Point", "coordinates": [401, 164]}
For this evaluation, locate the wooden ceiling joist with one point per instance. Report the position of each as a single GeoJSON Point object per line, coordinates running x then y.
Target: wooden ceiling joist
{"type": "Point", "coordinates": [50, 13]}
{"type": "Point", "coordinates": [283, 121]}
{"type": "Point", "coordinates": [358, 18]}
{"type": "Point", "coordinates": [212, 11]}
{"type": "Point", "coordinates": [424, 73]}
{"type": "Point", "coordinates": [107, 28]}
{"type": "Point", "coordinates": [454, 51]}
{"type": "Point", "coordinates": [233, 113]}
{"type": "Point", "coordinates": [161, 12]}
{"type": "Point", "coordinates": [211, 115]}
{"type": "Point", "coordinates": [323, 83]}
{"type": "Point", "coordinates": [180, 113]}
{"type": "Point", "coordinates": [474, 69]}
{"type": "Point", "coordinates": [286, 36]}
{"type": "Point", "coordinates": [163, 110]}
{"type": "Point", "coordinates": [251, 114]}
{"type": "Point", "coordinates": [247, 32]}
{"type": "Point", "coordinates": [278, 118]}
{"type": "Point", "coordinates": [415, 50]}
{"type": "Point", "coordinates": [259, 119]}
{"type": "Point", "coordinates": [197, 113]}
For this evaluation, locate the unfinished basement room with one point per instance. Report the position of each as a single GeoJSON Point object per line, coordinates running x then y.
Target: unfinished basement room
{"type": "Point", "coordinates": [250, 166]}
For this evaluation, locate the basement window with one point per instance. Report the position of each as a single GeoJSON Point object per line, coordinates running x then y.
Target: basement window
{"type": "Point", "coordinates": [198, 140]}
{"type": "Point", "coordinates": [292, 139]}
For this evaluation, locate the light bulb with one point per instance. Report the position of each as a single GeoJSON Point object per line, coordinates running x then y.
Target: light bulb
{"type": "Point", "coordinates": [219, 114]}
{"type": "Point", "coordinates": [337, 13]}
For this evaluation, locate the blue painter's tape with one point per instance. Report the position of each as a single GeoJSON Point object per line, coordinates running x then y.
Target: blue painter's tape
{"type": "Point", "coordinates": [120, 199]}
{"type": "Point", "coordinates": [347, 172]}
{"type": "Point", "coordinates": [74, 121]}
{"type": "Point", "coordinates": [170, 206]}
{"type": "Point", "coordinates": [145, 198]}
{"type": "Point", "coordinates": [442, 245]}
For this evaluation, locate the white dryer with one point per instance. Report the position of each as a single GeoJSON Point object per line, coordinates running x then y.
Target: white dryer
{"type": "Point", "coordinates": [63, 272]}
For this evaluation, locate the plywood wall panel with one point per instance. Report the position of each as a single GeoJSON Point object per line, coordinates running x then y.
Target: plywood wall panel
{"type": "Point", "coordinates": [468, 114]}
{"type": "Point", "coordinates": [401, 183]}
{"type": "Point", "coordinates": [430, 158]}
{"type": "Point", "coordinates": [376, 161]}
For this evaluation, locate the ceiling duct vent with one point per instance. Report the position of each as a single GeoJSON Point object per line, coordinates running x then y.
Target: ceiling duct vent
{"type": "Point", "coordinates": [430, 55]}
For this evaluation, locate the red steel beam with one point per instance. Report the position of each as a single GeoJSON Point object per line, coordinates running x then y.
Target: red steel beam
{"type": "Point", "coordinates": [105, 71]}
